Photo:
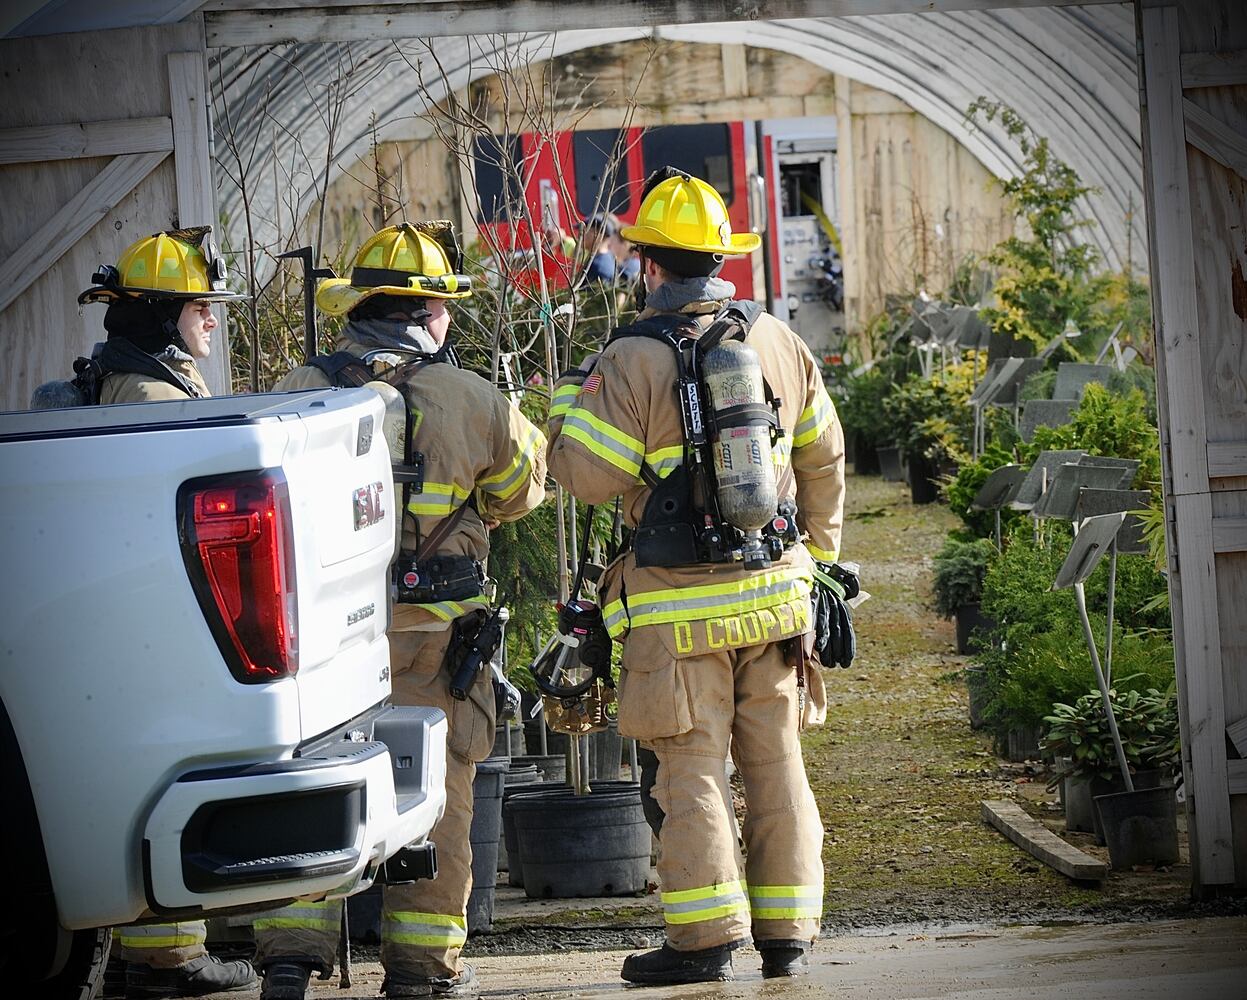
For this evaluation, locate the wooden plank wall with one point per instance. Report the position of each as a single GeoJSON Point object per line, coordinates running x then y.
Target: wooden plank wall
{"type": "Point", "coordinates": [910, 173]}
{"type": "Point", "coordinates": [920, 202]}
{"type": "Point", "coordinates": [45, 329]}
{"type": "Point", "coordinates": [1194, 71]}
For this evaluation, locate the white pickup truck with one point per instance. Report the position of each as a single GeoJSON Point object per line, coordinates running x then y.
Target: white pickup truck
{"type": "Point", "coordinates": [194, 670]}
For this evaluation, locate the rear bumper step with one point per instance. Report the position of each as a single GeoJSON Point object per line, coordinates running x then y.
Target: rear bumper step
{"type": "Point", "coordinates": [320, 823]}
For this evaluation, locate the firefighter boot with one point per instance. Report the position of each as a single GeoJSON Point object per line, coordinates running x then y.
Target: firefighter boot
{"type": "Point", "coordinates": [462, 985]}
{"type": "Point", "coordinates": [665, 965]}
{"type": "Point", "coordinates": [784, 958]}
{"type": "Point", "coordinates": [287, 979]}
{"type": "Point", "coordinates": [196, 978]}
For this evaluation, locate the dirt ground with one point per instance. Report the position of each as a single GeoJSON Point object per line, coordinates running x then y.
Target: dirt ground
{"type": "Point", "coordinates": [1171, 960]}
{"type": "Point", "coordinates": [922, 898]}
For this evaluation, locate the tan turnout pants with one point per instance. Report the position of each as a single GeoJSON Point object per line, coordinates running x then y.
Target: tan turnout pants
{"type": "Point", "coordinates": [689, 711]}
{"type": "Point", "coordinates": [163, 946]}
{"type": "Point", "coordinates": [423, 925]}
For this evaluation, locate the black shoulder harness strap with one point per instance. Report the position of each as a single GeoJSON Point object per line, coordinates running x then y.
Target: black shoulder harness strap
{"type": "Point", "coordinates": [733, 320]}
{"type": "Point", "coordinates": [342, 368]}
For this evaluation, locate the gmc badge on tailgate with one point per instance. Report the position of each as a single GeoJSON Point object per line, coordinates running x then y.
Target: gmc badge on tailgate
{"type": "Point", "coordinates": [368, 506]}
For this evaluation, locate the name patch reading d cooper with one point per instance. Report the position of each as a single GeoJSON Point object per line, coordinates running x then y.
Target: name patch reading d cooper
{"type": "Point", "coordinates": [368, 506]}
{"type": "Point", "coordinates": [746, 629]}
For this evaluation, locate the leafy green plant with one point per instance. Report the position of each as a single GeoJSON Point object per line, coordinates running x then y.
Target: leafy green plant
{"type": "Point", "coordinates": [1112, 425]}
{"type": "Point", "coordinates": [860, 406]}
{"type": "Point", "coordinates": [962, 488]}
{"type": "Point", "coordinates": [960, 568]}
{"type": "Point", "coordinates": [931, 417]}
{"type": "Point", "coordinates": [1041, 657]}
{"type": "Point", "coordinates": [1147, 723]}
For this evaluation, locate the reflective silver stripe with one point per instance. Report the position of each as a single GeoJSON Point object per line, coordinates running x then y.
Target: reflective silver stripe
{"type": "Point", "coordinates": [640, 607]}
{"type": "Point", "coordinates": [322, 916]}
{"type": "Point", "coordinates": [438, 931]}
{"type": "Point", "coordinates": [734, 899]}
{"type": "Point", "coordinates": [787, 903]}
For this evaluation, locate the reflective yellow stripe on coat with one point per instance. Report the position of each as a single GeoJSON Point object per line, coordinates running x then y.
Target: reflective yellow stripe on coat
{"type": "Point", "coordinates": [427, 930]}
{"type": "Point", "coordinates": [437, 499]}
{"type": "Point", "coordinates": [604, 440]}
{"type": "Point", "coordinates": [753, 593]}
{"type": "Point", "coordinates": [712, 902]}
{"type": "Point", "coordinates": [785, 902]}
{"type": "Point", "coordinates": [564, 399]}
{"type": "Point", "coordinates": [814, 419]}
{"type": "Point", "coordinates": [517, 473]}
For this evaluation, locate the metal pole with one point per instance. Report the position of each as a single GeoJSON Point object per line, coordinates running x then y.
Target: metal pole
{"type": "Point", "coordinates": [1081, 600]}
{"type": "Point", "coordinates": [632, 761]}
{"type": "Point", "coordinates": [1112, 594]}
{"type": "Point", "coordinates": [999, 545]}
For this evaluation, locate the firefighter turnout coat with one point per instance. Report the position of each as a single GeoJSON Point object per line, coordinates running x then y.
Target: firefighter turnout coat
{"type": "Point", "coordinates": [705, 664]}
{"type": "Point", "coordinates": [129, 387]}
{"type": "Point", "coordinates": [474, 442]}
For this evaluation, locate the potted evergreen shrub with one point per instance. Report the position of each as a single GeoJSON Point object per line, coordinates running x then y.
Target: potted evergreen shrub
{"type": "Point", "coordinates": [860, 407]}
{"type": "Point", "coordinates": [931, 421]}
{"type": "Point", "coordinates": [960, 569]}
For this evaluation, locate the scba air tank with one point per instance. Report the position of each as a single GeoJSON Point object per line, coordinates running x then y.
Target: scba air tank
{"type": "Point", "coordinates": [743, 465]}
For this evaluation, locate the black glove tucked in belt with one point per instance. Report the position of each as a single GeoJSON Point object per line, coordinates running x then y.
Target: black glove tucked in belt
{"type": "Point", "coordinates": [835, 645]}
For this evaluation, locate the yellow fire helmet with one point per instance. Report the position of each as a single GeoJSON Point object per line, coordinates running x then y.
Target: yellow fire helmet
{"type": "Point", "coordinates": [178, 264]}
{"type": "Point", "coordinates": [686, 213]}
{"type": "Point", "coordinates": [420, 261]}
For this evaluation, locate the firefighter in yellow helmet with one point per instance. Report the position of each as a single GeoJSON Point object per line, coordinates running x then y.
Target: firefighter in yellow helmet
{"type": "Point", "coordinates": [159, 322]}
{"type": "Point", "coordinates": [159, 318]}
{"type": "Point", "coordinates": [713, 618]}
{"type": "Point", "coordinates": [483, 463]}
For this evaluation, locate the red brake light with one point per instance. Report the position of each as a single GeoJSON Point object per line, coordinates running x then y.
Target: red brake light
{"type": "Point", "coordinates": [238, 547]}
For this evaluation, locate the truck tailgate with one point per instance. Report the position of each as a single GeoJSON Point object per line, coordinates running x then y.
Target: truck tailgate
{"type": "Point", "coordinates": [343, 513]}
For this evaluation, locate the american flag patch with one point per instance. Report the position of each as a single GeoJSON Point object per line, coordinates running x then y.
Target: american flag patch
{"type": "Point", "coordinates": [592, 384]}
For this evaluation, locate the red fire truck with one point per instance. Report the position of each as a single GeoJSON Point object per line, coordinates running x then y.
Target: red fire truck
{"type": "Point", "coordinates": [776, 177]}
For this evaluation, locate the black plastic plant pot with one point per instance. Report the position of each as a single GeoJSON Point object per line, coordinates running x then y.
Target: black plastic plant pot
{"type": "Point", "coordinates": [1140, 827]}
{"type": "Point", "coordinates": [1108, 786]}
{"type": "Point", "coordinates": [922, 485]}
{"type": "Point", "coordinates": [890, 464]}
{"type": "Point", "coordinates": [582, 845]}
{"type": "Point", "coordinates": [973, 629]}
{"type": "Point", "coordinates": [526, 778]}
{"type": "Point", "coordinates": [865, 457]}
{"type": "Point", "coordinates": [485, 832]}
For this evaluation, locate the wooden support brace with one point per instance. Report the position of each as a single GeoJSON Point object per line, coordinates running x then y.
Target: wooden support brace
{"type": "Point", "coordinates": [1213, 69]}
{"type": "Point", "coordinates": [41, 143]}
{"type": "Point", "coordinates": [1211, 136]}
{"type": "Point", "coordinates": [1041, 843]}
{"type": "Point", "coordinates": [1229, 534]}
{"type": "Point", "coordinates": [75, 219]}
{"type": "Point", "coordinates": [1227, 459]}
{"type": "Point", "coordinates": [1237, 732]}
{"type": "Point", "coordinates": [192, 165]}
{"type": "Point", "coordinates": [269, 22]}
{"type": "Point", "coordinates": [1238, 777]}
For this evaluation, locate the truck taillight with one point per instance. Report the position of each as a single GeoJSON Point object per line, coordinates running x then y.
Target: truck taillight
{"type": "Point", "coordinates": [239, 552]}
